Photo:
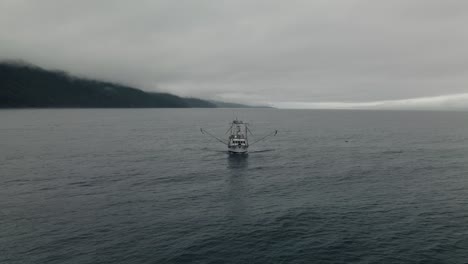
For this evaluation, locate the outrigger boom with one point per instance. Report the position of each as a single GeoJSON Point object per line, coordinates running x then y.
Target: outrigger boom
{"type": "Point", "coordinates": [213, 136]}
{"type": "Point", "coordinates": [238, 141]}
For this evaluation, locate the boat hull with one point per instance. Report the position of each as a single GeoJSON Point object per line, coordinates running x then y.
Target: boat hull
{"type": "Point", "coordinates": [238, 150]}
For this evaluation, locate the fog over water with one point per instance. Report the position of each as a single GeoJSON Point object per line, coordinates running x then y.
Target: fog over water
{"type": "Point", "coordinates": [295, 54]}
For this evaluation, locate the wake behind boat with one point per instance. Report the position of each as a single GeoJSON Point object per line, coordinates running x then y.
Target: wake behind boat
{"type": "Point", "coordinates": [238, 140]}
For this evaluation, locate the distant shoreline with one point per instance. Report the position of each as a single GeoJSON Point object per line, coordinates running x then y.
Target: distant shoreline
{"type": "Point", "coordinates": [31, 87]}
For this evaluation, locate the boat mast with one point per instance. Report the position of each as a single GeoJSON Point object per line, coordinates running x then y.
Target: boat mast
{"type": "Point", "coordinates": [246, 139]}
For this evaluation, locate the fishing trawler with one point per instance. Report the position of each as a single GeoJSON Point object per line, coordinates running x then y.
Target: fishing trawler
{"type": "Point", "coordinates": [238, 141]}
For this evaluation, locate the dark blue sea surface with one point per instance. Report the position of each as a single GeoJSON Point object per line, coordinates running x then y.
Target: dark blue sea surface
{"type": "Point", "coordinates": [145, 186]}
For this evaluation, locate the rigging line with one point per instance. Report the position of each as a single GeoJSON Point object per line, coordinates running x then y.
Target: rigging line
{"type": "Point", "coordinates": [228, 129]}
{"type": "Point", "coordinates": [269, 135]}
{"type": "Point", "coordinates": [248, 129]}
{"type": "Point", "coordinates": [208, 133]}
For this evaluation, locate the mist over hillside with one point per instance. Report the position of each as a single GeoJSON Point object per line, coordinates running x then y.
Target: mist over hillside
{"type": "Point", "coordinates": [25, 85]}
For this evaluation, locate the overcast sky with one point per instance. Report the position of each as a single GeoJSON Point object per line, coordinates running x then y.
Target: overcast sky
{"type": "Point", "coordinates": [293, 54]}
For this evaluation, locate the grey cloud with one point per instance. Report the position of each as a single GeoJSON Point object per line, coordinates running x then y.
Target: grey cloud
{"type": "Point", "coordinates": [275, 52]}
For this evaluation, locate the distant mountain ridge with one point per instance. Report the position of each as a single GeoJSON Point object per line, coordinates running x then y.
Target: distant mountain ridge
{"type": "Point", "coordinates": [235, 105]}
{"type": "Point", "coordinates": [24, 85]}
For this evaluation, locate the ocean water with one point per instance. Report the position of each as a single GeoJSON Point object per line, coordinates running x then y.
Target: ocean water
{"type": "Point", "coordinates": [145, 186]}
